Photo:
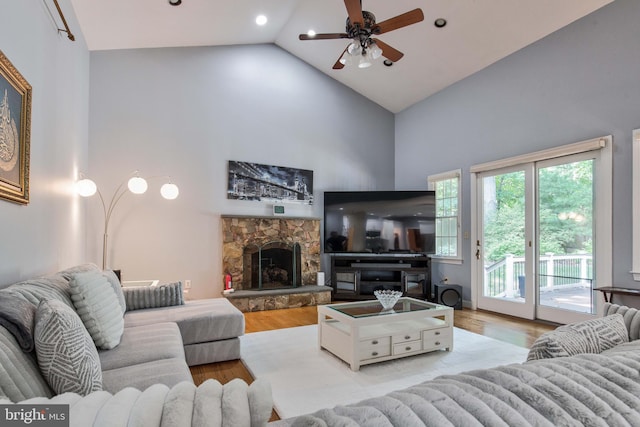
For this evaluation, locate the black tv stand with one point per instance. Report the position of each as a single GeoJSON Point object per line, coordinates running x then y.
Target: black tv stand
{"type": "Point", "coordinates": [357, 276]}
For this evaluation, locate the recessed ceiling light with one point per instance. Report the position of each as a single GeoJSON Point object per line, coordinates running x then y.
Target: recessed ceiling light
{"type": "Point", "coordinates": [387, 62]}
{"type": "Point", "coordinates": [261, 20]}
{"type": "Point", "coordinates": [175, 2]}
{"type": "Point", "coordinates": [311, 33]}
{"type": "Point", "coordinates": [440, 22]}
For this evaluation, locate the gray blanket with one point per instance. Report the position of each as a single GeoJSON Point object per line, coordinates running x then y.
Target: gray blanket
{"type": "Point", "coordinates": [211, 404]}
{"type": "Point", "coordinates": [588, 389]}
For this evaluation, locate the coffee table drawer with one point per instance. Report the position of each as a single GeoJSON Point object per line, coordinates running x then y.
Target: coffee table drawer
{"type": "Point", "coordinates": [434, 339]}
{"type": "Point", "coordinates": [376, 347]}
{"type": "Point", "coordinates": [408, 336]}
{"type": "Point", "coordinates": [407, 347]}
{"type": "Point", "coordinates": [436, 333]}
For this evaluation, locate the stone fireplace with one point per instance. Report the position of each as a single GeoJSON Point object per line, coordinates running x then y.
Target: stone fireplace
{"type": "Point", "coordinates": [262, 253]}
{"type": "Point", "coordinates": [273, 262]}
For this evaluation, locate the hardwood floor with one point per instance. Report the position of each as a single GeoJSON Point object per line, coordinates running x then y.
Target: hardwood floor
{"type": "Point", "coordinates": [256, 321]}
{"type": "Point", "coordinates": [505, 328]}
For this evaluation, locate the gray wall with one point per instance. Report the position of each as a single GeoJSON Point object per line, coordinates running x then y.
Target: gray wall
{"type": "Point", "coordinates": [578, 83]}
{"type": "Point", "coordinates": [48, 234]}
{"type": "Point", "coordinates": [188, 111]}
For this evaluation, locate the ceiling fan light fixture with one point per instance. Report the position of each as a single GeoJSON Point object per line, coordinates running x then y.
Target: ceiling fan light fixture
{"type": "Point", "coordinates": [365, 62]}
{"type": "Point", "coordinates": [354, 49]}
{"type": "Point", "coordinates": [347, 60]}
{"type": "Point", "coordinates": [375, 51]}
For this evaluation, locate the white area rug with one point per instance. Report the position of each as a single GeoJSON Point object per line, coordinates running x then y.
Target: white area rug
{"type": "Point", "coordinates": [304, 378]}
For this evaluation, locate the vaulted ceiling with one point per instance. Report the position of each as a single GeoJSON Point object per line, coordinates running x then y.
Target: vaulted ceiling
{"type": "Point", "coordinates": [478, 33]}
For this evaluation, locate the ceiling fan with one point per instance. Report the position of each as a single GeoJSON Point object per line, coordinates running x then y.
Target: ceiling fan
{"type": "Point", "coordinates": [361, 27]}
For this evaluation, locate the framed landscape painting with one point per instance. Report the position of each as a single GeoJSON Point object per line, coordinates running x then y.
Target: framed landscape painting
{"type": "Point", "coordinates": [15, 133]}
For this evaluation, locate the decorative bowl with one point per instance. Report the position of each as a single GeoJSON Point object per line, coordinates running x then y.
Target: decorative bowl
{"type": "Point", "coordinates": [387, 298]}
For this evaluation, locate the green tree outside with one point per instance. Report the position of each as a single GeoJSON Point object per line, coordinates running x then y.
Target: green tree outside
{"type": "Point", "coordinates": [565, 199]}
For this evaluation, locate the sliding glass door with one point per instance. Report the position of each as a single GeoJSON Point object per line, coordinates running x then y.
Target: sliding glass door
{"type": "Point", "coordinates": [565, 238]}
{"type": "Point", "coordinates": [503, 245]}
{"type": "Point", "coordinates": [535, 247]}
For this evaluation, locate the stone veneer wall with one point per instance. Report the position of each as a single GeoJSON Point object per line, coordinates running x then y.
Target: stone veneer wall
{"type": "Point", "coordinates": [239, 231]}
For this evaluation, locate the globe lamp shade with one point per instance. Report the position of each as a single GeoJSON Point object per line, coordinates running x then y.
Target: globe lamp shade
{"type": "Point", "coordinates": [86, 187]}
{"type": "Point", "coordinates": [137, 185]}
{"type": "Point", "coordinates": [169, 191]}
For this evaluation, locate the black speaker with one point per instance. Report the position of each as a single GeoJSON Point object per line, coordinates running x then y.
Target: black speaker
{"type": "Point", "coordinates": [449, 295]}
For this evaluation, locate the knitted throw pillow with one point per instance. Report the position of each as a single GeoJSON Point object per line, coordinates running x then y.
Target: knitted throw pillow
{"type": "Point", "coordinates": [117, 288]}
{"type": "Point", "coordinates": [98, 307]}
{"type": "Point", "coordinates": [590, 336]}
{"type": "Point", "coordinates": [154, 296]}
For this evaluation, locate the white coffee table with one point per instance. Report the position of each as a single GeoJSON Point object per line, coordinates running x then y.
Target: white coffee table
{"type": "Point", "coordinates": [362, 332]}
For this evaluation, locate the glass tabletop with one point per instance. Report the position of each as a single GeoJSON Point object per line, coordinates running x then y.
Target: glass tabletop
{"type": "Point", "coordinates": [374, 308]}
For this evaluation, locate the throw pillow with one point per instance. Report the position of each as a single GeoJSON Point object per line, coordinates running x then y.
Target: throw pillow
{"type": "Point", "coordinates": [98, 307]}
{"type": "Point", "coordinates": [558, 343]}
{"type": "Point", "coordinates": [602, 333]}
{"type": "Point", "coordinates": [589, 336]}
{"type": "Point", "coordinates": [154, 296]}
{"type": "Point", "coordinates": [117, 288]}
{"type": "Point", "coordinates": [67, 357]}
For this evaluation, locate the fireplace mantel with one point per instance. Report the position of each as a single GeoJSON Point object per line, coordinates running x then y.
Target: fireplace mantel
{"type": "Point", "coordinates": [251, 217]}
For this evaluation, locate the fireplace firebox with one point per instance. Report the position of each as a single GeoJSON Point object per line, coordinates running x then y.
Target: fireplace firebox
{"type": "Point", "coordinates": [273, 265]}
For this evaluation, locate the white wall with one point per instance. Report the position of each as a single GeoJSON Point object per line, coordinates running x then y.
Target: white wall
{"type": "Point", "coordinates": [188, 111]}
{"type": "Point", "coordinates": [47, 234]}
{"type": "Point", "coordinates": [578, 83]}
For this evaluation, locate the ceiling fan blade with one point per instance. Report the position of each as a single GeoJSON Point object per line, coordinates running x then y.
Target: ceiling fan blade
{"type": "Point", "coordinates": [412, 17]}
{"type": "Point", "coordinates": [392, 54]}
{"type": "Point", "coordinates": [324, 36]}
{"type": "Point", "coordinates": [354, 9]}
{"type": "Point", "coordinates": [339, 65]}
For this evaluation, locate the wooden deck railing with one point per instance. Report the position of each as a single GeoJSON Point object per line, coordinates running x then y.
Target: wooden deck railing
{"type": "Point", "coordinates": [506, 277]}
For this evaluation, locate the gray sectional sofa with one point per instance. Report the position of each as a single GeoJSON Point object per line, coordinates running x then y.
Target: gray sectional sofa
{"type": "Point", "coordinates": [585, 374]}
{"type": "Point", "coordinates": [77, 333]}
{"type": "Point", "coordinates": [580, 374]}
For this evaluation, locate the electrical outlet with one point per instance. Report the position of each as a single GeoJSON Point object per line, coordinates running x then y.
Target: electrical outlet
{"type": "Point", "coordinates": [187, 284]}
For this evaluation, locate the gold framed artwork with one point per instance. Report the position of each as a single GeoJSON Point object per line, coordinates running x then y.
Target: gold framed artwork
{"type": "Point", "coordinates": [15, 133]}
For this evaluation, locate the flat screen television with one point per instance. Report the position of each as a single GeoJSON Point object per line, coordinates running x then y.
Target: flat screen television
{"type": "Point", "coordinates": [382, 222]}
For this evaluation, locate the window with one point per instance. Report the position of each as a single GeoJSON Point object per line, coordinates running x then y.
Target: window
{"type": "Point", "coordinates": [447, 188]}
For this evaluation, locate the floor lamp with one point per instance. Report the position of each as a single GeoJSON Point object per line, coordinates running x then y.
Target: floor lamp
{"type": "Point", "coordinates": [86, 187]}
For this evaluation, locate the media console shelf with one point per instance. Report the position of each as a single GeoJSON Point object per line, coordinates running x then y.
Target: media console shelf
{"type": "Point", "coordinates": [357, 276]}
